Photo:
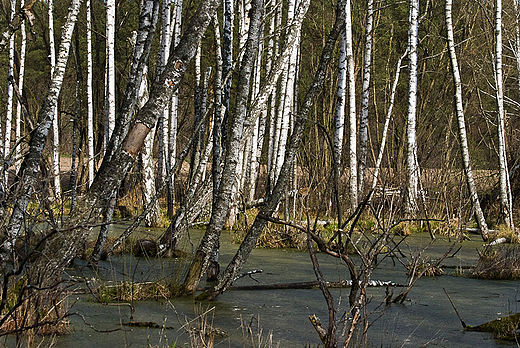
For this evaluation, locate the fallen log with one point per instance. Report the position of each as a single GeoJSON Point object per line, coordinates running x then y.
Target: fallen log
{"type": "Point", "coordinates": [311, 285]}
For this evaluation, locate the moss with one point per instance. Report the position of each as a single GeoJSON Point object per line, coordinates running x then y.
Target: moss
{"type": "Point", "coordinates": [503, 328]}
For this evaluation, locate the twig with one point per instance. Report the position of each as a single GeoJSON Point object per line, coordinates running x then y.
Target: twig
{"type": "Point", "coordinates": [456, 311]}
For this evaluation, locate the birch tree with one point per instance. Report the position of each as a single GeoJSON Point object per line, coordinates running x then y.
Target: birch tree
{"type": "Point", "coordinates": [365, 97]}
{"type": "Point", "coordinates": [271, 204]}
{"type": "Point", "coordinates": [62, 246]}
{"type": "Point", "coordinates": [90, 99]}
{"type": "Point", "coordinates": [463, 140]}
{"type": "Point", "coordinates": [55, 119]}
{"type": "Point", "coordinates": [10, 101]}
{"type": "Point", "coordinates": [110, 101]}
{"type": "Point", "coordinates": [412, 164]}
{"type": "Point", "coordinates": [21, 74]}
{"type": "Point", "coordinates": [506, 201]}
{"type": "Point", "coordinates": [339, 122]}
{"type": "Point", "coordinates": [221, 205]}
{"type": "Point", "coordinates": [27, 175]}
{"type": "Point", "coordinates": [351, 73]}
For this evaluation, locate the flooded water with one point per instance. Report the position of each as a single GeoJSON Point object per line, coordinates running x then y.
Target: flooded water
{"type": "Point", "coordinates": [426, 319]}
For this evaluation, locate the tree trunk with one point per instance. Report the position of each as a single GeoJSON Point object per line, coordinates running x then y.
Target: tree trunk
{"type": "Point", "coordinates": [27, 176]}
{"type": "Point", "coordinates": [351, 109]}
{"type": "Point", "coordinates": [21, 75]}
{"type": "Point", "coordinates": [63, 246]}
{"type": "Point", "coordinates": [110, 102]}
{"type": "Point", "coordinates": [222, 203]}
{"type": "Point", "coordinates": [273, 200]}
{"type": "Point", "coordinates": [481, 221]}
{"type": "Point", "coordinates": [412, 164]}
{"type": "Point", "coordinates": [90, 99]}
{"type": "Point", "coordinates": [10, 102]}
{"type": "Point", "coordinates": [363, 123]}
{"type": "Point", "coordinates": [506, 200]}
{"type": "Point", "coordinates": [55, 119]}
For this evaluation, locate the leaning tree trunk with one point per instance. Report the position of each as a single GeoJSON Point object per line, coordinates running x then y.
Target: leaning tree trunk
{"type": "Point", "coordinates": [286, 172]}
{"type": "Point", "coordinates": [506, 200]}
{"type": "Point", "coordinates": [21, 75]}
{"type": "Point", "coordinates": [412, 165]}
{"type": "Point", "coordinates": [222, 203]}
{"type": "Point", "coordinates": [481, 221]}
{"type": "Point", "coordinates": [63, 245]}
{"type": "Point", "coordinates": [387, 124]}
{"type": "Point", "coordinates": [143, 41]}
{"type": "Point", "coordinates": [27, 175]}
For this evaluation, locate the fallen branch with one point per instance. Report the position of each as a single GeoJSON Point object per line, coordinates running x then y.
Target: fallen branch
{"type": "Point", "coordinates": [310, 285]}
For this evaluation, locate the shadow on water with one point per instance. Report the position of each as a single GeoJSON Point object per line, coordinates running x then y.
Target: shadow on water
{"type": "Point", "coordinates": [425, 319]}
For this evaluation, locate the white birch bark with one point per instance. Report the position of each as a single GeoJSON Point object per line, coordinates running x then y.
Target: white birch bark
{"type": "Point", "coordinates": [462, 126]}
{"type": "Point", "coordinates": [517, 39]}
{"type": "Point", "coordinates": [10, 99]}
{"type": "Point", "coordinates": [152, 218]}
{"type": "Point", "coordinates": [412, 165]}
{"type": "Point", "coordinates": [90, 98]}
{"type": "Point", "coordinates": [27, 178]}
{"type": "Point", "coordinates": [21, 75]}
{"type": "Point", "coordinates": [339, 122]}
{"type": "Point", "coordinates": [363, 123]}
{"type": "Point", "coordinates": [257, 138]}
{"type": "Point", "coordinates": [505, 186]}
{"type": "Point", "coordinates": [111, 71]}
{"type": "Point", "coordinates": [174, 104]}
{"type": "Point", "coordinates": [55, 120]}
{"type": "Point", "coordinates": [351, 109]}
{"type": "Point", "coordinates": [164, 53]}
{"type": "Point", "coordinates": [387, 122]}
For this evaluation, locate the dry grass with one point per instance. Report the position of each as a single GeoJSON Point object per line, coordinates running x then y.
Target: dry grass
{"type": "Point", "coordinates": [499, 262]}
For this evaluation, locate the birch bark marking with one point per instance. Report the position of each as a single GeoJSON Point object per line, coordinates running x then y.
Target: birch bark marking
{"type": "Point", "coordinates": [351, 73]}
{"type": "Point", "coordinates": [412, 165]}
{"type": "Point", "coordinates": [222, 203]}
{"type": "Point", "coordinates": [55, 120]}
{"type": "Point", "coordinates": [26, 177]}
{"type": "Point", "coordinates": [365, 97]}
{"type": "Point", "coordinates": [273, 200]}
{"type": "Point", "coordinates": [339, 123]}
{"type": "Point", "coordinates": [387, 122]}
{"type": "Point", "coordinates": [110, 102]}
{"type": "Point", "coordinates": [505, 187]}
{"type": "Point", "coordinates": [10, 100]}
{"type": "Point", "coordinates": [21, 74]}
{"type": "Point", "coordinates": [90, 99]}
{"type": "Point", "coordinates": [462, 126]}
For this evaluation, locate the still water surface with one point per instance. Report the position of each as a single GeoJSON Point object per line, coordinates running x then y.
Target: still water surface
{"type": "Point", "coordinates": [425, 320]}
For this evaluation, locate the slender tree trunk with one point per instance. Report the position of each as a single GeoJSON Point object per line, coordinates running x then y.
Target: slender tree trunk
{"type": "Point", "coordinates": [412, 165]}
{"type": "Point", "coordinates": [273, 200]}
{"type": "Point", "coordinates": [506, 201]}
{"type": "Point", "coordinates": [110, 102]}
{"type": "Point", "coordinates": [222, 203]}
{"type": "Point", "coordinates": [481, 221]}
{"type": "Point", "coordinates": [152, 218]}
{"type": "Point", "coordinates": [63, 246]}
{"type": "Point", "coordinates": [10, 102]}
{"type": "Point", "coordinates": [339, 124]}
{"type": "Point", "coordinates": [21, 75]}
{"type": "Point", "coordinates": [387, 122]}
{"type": "Point", "coordinates": [27, 176]}
{"type": "Point", "coordinates": [351, 109]}
{"type": "Point", "coordinates": [90, 99]}
{"type": "Point", "coordinates": [365, 97]}
{"type": "Point", "coordinates": [55, 119]}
